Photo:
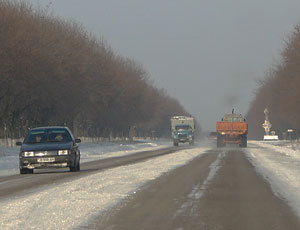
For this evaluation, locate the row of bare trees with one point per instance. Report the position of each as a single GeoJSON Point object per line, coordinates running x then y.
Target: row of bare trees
{"type": "Point", "coordinates": [279, 92]}
{"type": "Point", "coordinates": [53, 72]}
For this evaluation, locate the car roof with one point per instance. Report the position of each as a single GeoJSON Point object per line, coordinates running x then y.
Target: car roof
{"type": "Point", "coordinates": [50, 127]}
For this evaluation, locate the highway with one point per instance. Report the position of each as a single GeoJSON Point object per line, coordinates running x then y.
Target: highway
{"type": "Point", "coordinates": [192, 197]}
{"type": "Point", "coordinates": [185, 187]}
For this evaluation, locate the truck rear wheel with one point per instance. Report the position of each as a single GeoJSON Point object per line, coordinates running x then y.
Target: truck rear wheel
{"type": "Point", "coordinates": [243, 142]}
{"type": "Point", "coordinates": [220, 141]}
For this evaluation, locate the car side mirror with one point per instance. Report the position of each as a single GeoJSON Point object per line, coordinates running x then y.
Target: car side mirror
{"type": "Point", "coordinates": [19, 143]}
{"type": "Point", "coordinates": [77, 140]}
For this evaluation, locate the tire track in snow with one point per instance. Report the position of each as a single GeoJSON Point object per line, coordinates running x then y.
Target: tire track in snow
{"type": "Point", "coordinates": [199, 189]}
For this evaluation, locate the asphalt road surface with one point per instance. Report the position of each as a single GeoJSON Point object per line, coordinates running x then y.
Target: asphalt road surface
{"type": "Point", "coordinates": [219, 190]}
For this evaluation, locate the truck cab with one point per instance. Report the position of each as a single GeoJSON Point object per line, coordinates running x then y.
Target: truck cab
{"type": "Point", "coordinates": [182, 129]}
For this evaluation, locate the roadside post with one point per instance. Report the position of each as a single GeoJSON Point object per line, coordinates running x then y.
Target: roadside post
{"type": "Point", "coordinates": [290, 131]}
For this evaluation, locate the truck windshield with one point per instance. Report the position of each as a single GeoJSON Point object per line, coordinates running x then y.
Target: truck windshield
{"type": "Point", "coordinates": [183, 127]}
{"type": "Point", "coordinates": [233, 119]}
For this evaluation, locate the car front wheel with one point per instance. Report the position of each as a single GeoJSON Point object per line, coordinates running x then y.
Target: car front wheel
{"type": "Point", "coordinates": [26, 171]}
{"type": "Point", "coordinates": [75, 168]}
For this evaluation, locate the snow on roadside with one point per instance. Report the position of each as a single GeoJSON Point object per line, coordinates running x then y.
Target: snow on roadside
{"type": "Point", "coordinates": [97, 151]}
{"type": "Point", "coordinates": [72, 203]}
{"type": "Point", "coordinates": [280, 166]}
{"type": "Point", "coordinates": [9, 160]}
{"type": "Point", "coordinates": [288, 150]}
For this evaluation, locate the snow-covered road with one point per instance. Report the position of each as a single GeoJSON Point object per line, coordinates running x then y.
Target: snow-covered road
{"type": "Point", "coordinates": [76, 202]}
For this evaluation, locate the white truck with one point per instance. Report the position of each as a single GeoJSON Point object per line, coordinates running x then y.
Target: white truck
{"type": "Point", "coordinates": [182, 129]}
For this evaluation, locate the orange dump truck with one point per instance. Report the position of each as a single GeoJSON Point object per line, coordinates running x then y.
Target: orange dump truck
{"type": "Point", "coordinates": [232, 129]}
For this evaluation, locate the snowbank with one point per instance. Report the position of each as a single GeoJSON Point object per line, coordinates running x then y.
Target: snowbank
{"type": "Point", "coordinates": [280, 166]}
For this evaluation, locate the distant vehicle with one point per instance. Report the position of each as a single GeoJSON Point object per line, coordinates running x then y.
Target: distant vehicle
{"type": "Point", "coordinates": [49, 147]}
{"type": "Point", "coordinates": [182, 128]}
{"type": "Point", "coordinates": [213, 135]}
{"type": "Point", "coordinates": [233, 129]}
{"type": "Point", "coordinates": [271, 138]}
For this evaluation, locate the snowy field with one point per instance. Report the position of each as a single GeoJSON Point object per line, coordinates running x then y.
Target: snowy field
{"type": "Point", "coordinates": [279, 164]}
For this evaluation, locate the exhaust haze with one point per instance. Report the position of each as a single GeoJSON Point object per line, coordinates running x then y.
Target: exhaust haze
{"type": "Point", "coordinates": [207, 54]}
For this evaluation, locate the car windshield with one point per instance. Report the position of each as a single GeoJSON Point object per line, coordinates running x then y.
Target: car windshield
{"type": "Point", "coordinates": [47, 135]}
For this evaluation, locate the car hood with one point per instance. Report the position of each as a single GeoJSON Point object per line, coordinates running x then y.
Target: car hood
{"type": "Point", "coordinates": [47, 146]}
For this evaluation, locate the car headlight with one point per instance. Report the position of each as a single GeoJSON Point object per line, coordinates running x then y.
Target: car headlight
{"type": "Point", "coordinates": [63, 152]}
{"type": "Point", "coordinates": [27, 154]}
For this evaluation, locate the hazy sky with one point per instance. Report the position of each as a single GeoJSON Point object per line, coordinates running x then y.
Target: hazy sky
{"type": "Point", "coordinates": [206, 53]}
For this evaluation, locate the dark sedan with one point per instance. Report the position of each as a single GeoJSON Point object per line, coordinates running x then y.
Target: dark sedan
{"type": "Point", "coordinates": [49, 147]}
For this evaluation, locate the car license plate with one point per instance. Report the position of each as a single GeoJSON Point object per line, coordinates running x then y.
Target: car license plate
{"type": "Point", "coordinates": [46, 159]}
